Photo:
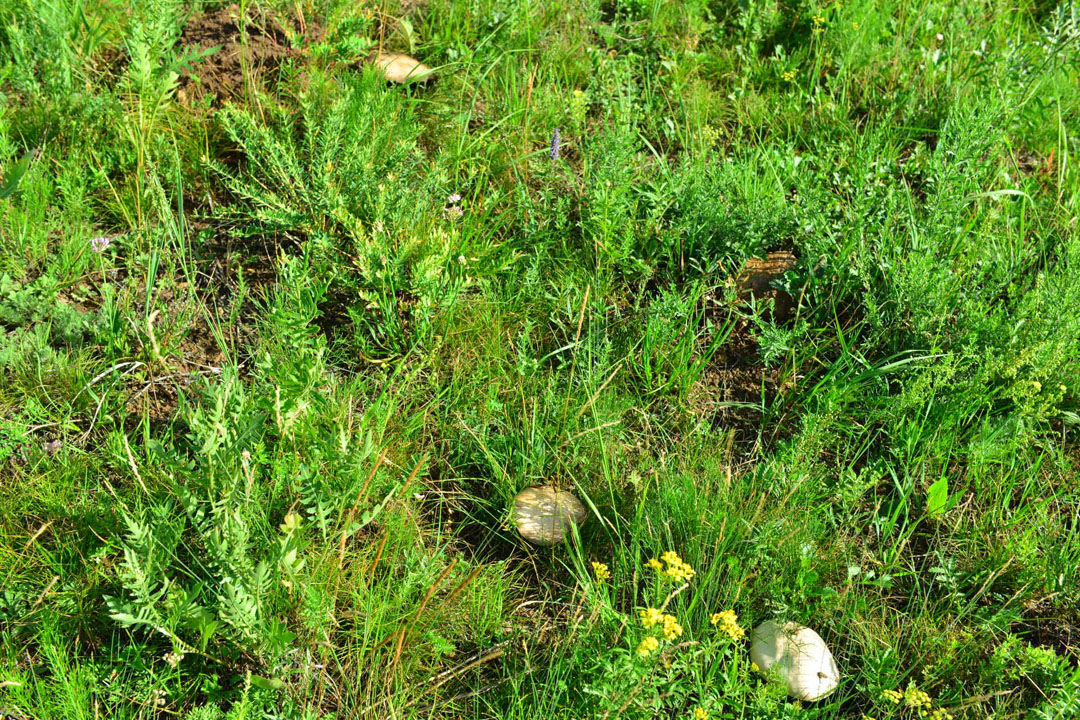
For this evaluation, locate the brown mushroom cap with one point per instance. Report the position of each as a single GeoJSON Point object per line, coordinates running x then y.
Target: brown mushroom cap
{"type": "Point", "coordinates": [400, 68]}
{"type": "Point", "coordinates": [756, 276]}
{"type": "Point", "coordinates": [543, 515]}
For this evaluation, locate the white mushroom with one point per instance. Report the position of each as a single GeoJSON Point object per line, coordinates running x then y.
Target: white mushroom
{"type": "Point", "coordinates": [544, 515]}
{"type": "Point", "coordinates": [400, 68]}
{"type": "Point", "coordinates": [798, 655]}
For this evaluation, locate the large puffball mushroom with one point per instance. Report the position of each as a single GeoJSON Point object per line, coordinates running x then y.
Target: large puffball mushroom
{"type": "Point", "coordinates": [544, 515]}
{"type": "Point", "coordinates": [398, 68]}
{"type": "Point", "coordinates": [798, 655]}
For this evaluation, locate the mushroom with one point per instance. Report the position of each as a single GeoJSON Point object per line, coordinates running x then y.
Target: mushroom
{"type": "Point", "coordinates": [798, 655]}
{"type": "Point", "coordinates": [756, 278]}
{"type": "Point", "coordinates": [398, 68]}
{"type": "Point", "coordinates": [544, 515]}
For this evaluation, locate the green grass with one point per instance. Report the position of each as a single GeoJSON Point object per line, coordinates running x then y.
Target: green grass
{"type": "Point", "coordinates": [258, 455]}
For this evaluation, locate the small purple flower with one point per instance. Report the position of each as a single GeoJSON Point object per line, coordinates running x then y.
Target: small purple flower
{"type": "Point", "coordinates": [453, 199]}
{"type": "Point", "coordinates": [100, 244]}
{"type": "Point", "coordinates": [53, 446]}
{"type": "Point", "coordinates": [454, 212]}
{"type": "Point", "coordinates": [556, 143]}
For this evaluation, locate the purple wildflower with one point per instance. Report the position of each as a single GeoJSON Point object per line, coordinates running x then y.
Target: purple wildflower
{"type": "Point", "coordinates": [99, 244]}
{"type": "Point", "coordinates": [53, 446]}
{"type": "Point", "coordinates": [453, 199]}
{"type": "Point", "coordinates": [556, 143]}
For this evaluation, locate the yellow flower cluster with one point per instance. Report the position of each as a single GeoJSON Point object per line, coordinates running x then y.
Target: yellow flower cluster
{"type": "Point", "coordinates": [651, 617]}
{"type": "Point", "coordinates": [916, 699]}
{"type": "Point", "coordinates": [672, 567]}
{"type": "Point", "coordinates": [788, 76]}
{"type": "Point", "coordinates": [727, 622]}
{"type": "Point", "coordinates": [647, 646]}
{"type": "Point", "coordinates": [672, 629]}
{"type": "Point", "coordinates": [819, 24]}
{"type": "Point", "coordinates": [699, 713]}
{"type": "Point", "coordinates": [601, 571]}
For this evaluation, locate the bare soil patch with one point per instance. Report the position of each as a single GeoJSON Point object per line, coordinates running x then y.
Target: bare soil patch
{"type": "Point", "coordinates": [737, 386]}
{"type": "Point", "coordinates": [1051, 624]}
{"type": "Point", "coordinates": [253, 54]}
{"type": "Point", "coordinates": [199, 352]}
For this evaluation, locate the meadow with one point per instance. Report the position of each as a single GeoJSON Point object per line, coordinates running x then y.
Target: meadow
{"type": "Point", "coordinates": [782, 290]}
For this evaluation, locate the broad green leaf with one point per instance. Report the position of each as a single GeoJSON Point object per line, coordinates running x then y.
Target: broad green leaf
{"type": "Point", "coordinates": [937, 497]}
{"type": "Point", "coordinates": [13, 176]}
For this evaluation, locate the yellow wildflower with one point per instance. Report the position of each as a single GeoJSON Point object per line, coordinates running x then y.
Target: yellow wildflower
{"type": "Point", "coordinates": [819, 24]}
{"type": "Point", "coordinates": [1037, 385]}
{"type": "Point", "coordinates": [647, 646]}
{"type": "Point", "coordinates": [788, 76]}
{"type": "Point", "coordinates": [673, 567]}
{"type": "Point", "coordinates": [893, 696]}
{"type": "Point", "coordinates": [727, 622]}
{"type": "Point", "coordinates": [700, 714]}
{"type": "Point", "coordinates": [601, 571]}
{"type": "Point", "coordinates": [916, 698]}
{"type": "Point", "coordinates": [650, 617]}
{"type": "Point", "coordinates": [672, 628]}
{"type": "Point", "coordinates": [941, 714]}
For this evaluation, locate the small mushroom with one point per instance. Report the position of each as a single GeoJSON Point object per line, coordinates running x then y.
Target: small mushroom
{"type": "Point", "coordinates": [398, 68]}
{"type": "Point", "coordinates": [544, 515]}
{"type": "Point", "coordinates": [756, 278]}
{"type": "Point", "coordinates": [798, 655]}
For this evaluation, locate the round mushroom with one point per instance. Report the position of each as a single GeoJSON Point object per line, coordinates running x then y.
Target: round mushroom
{"type": "Point", "coordinates": [544, 515]}
{"type": "Point", "coordinates": [798, 655]}
{"type": "Point", "coordinates": [398, 68]}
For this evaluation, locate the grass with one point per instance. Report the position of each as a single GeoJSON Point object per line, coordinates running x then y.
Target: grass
{"type": "Point", "coordinates": [258, 450]}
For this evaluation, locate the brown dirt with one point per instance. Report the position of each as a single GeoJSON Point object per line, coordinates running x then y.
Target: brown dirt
{"type": "Point", "coordinates": [736, 376]}
{"type": "Point", "coordinates": [197, 353]}
{"type": "Point", "coordinates": [1030, 162]}
{"type": "Point", "coordinates": [222, 73]}
{"type": "Point", "coordinates": [1052, 624]}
